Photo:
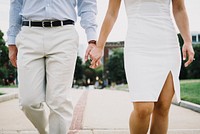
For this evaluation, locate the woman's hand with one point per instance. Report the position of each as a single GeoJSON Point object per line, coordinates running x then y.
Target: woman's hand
{"type": "Point", "coordinates": [96, 54]}
{"type": "Point", "coordinates": [88, 50]}
{"type": "Point", "coordinates": [188, 53]}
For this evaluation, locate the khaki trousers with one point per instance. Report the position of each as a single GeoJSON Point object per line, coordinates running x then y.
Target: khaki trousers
{"type": "Point", "coordinates": [46, 61]}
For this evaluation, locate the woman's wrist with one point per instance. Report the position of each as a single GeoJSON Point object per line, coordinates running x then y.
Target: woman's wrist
{"type": "Point", "coordinates": [100, 46]}
{"type": "Point", "coordinates": [187, 39]}
{"type": "Point", "coordinates": [187, 42]}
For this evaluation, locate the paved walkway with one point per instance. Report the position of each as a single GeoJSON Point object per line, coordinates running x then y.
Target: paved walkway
{"type": "Point", "coordinates": [96, 112]}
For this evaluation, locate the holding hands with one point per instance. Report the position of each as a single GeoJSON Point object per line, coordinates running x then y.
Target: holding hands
{"type": "Point", "coordinates": [94, 53]}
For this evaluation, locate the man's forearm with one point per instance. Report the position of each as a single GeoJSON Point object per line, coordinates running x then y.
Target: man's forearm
{"type": "Point", "coordinates": [15, 20]}
{"type": "Point", "coordinates": [87, 10]}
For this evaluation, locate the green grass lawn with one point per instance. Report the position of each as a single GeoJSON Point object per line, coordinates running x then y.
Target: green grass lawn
{"type": "Point", "coordinates": [11, 86]}
{"type": "Point", "coordinates": [190, 91]}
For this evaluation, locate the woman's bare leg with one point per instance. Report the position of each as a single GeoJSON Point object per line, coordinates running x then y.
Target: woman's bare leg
{"type": "Point", "coordinates": [159, 123]}
{"type": "Point", "coordinates": [140, 117]}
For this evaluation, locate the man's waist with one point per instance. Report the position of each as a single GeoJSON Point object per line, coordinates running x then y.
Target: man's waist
{"type": "Point", "coordinates": [47, 23]}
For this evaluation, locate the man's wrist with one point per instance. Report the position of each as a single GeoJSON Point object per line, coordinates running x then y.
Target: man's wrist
{"type": "Point", "coordinates": [11, 44]}
{"type": "Point", "coordinates": [92, 42]}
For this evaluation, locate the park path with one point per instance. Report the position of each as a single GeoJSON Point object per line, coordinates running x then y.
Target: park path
{"type": "Point", "coordinates": [96, 112]}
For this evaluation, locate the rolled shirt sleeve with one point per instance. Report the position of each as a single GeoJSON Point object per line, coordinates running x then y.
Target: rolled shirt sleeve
{"type": "Point", "coordinates": [15, 20]}
{"type": "Point", "coordinates": [87, 10]}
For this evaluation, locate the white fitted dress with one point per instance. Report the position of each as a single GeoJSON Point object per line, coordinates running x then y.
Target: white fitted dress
{"type": "Point", "coordinates": [151, 49]}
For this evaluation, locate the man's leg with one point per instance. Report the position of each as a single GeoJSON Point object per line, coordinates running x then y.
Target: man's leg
{"type": "Point", "coordinates": [31, 74]}
{"type": "Point", "coordinates": [38, 116]}
{"type": "Point", "coordinates": [60, 65]}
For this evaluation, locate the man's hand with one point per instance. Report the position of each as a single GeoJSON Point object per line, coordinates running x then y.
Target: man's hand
{"type": "Point", "coordinates": [13, 54]}
{"type": "Point", "coordinates": [89, 48]}
{"type": "Point", "coordinates": [188, 53]}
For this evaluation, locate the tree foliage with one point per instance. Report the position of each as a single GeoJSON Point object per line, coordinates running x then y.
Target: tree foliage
{"type": "Point", "coordinates": [78, 74]}
{"type": "Point", "coordinates": [99, 72]}
{"type": "Point", "coordinates": [84, 75]}
{"type": "Point", "coordinates": [116, 66]}
{"type": "Point", "coordinates": [193, 71]}
{"type": "Point", "coordinates": [6, 69]}
{"type": "Point", "coordinates": [89, 73]}
{"type": "Point", "coordinates": [3, 51]}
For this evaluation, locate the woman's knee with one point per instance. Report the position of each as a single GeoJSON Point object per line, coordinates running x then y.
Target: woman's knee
{"type": "Point", "coordinates": [162, 108]}
{"type": "Point", "coordinates": [143, 110]}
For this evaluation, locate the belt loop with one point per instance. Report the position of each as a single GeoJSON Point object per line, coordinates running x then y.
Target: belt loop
{"type": "Point", "coordinates": [29, 23]}
{"type": "Point", "coordinates": [51, 23]}
{"type": "Point", "coordinates": [61, 22]}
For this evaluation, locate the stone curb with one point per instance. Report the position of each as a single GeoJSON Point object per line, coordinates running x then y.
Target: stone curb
{"type": "Point", "coordinates": [8, 96]}
{"type": "Point", "coordinates": [189, 105]}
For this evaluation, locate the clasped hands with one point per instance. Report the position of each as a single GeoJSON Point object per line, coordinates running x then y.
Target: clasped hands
{"type": "Point", "coordinates": [94, 53]}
